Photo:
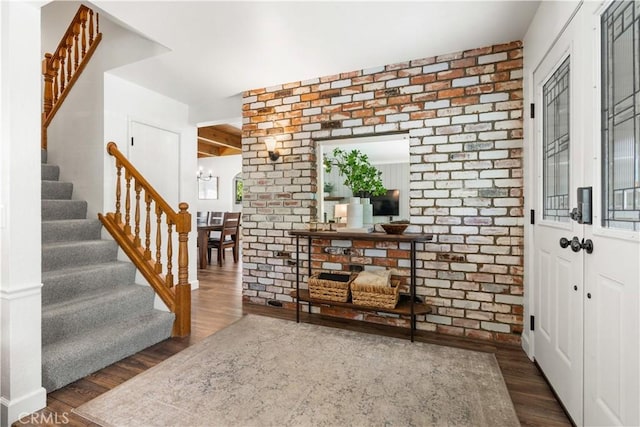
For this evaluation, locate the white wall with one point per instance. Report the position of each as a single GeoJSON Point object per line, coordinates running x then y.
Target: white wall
{"type": "Point", "coordinates": [225, 168]}
{"type": "Point", "coordinates": [20, 256]}
{"type": "Point", "coordinates": [547, 24]}
{"type": "Point", "coordinates": [125, 101]}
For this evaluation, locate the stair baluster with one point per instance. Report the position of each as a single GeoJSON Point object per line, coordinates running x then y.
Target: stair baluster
{"type": "Point", "coordinates": [177, 296]}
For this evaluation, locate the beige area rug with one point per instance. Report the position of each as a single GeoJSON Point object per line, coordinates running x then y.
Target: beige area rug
{"type": "Point", "coordinates": [262, 371]}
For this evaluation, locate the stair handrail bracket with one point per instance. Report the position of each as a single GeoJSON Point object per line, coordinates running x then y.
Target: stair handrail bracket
{"type": "Point", "coordinates": [134, 237]}
{"type": "Point", "coordinates": [61, 69]}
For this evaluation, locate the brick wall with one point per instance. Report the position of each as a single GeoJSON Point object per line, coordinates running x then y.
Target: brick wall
{"type": "Point", "coordinates": [463, 112]}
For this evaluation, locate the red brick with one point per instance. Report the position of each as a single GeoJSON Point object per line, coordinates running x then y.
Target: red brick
{"type": "Point", "coordinates": [483, 335]}
{"type": "Point", "coordinates": [473, 90]}
{"type": "Point", "coordinates": [450, 330]}
{"type": "Point", "coordinates": [514, 45]}
{"type": "Point", "coordinates": [478, 51]}
{"type": "Point", "coordinates": [385, 76]}
{"type": "Point", "coordinates": [425, 78]}
{"type": "Point", "coordinates": [451, 93]}
{"type": "Point", "coordinates": [418, 115]}
{"type": "Point", "coordinates": [450, 74]}
{"type": "Point", "coordinates": [362, 113]}
{"type": "Point", "coordinates": [467, 100]}
{"type": "Point", "coordinates": [404, 99]}
{"type": "Point", "coordinates": [368, 121]}
{"type": "Point", "coordinates": [510, 65]}
{"type": "Point", "coordinates": [463, 63]}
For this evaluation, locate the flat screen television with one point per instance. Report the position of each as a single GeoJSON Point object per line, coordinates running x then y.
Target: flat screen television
{"type": "Point", "coordinates": [387, 204]}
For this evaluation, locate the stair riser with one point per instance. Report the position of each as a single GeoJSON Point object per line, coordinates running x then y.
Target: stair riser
{"type": "Point", "coordinates": [55, 190]}
{"type": "Point", "coordinates": [60, 323]}
{"type": "Point", "coordinates": [63, 209]}
{"type": "Point", "coordinates": [65, 362]}
{"type": "Point", "coordinates": [64, 287]}
{"type": "Point", "coordinates": [49, 172]}
{"type": "Point", "coordinates": [65, 256]}
{"type": "Point", "coordinates": [43, 156]}
{"type": "Point", "coordinates": [68, 231]}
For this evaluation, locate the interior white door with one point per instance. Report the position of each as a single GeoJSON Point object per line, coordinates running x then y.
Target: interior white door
{"type": "Point", "coordinates": [558, 328]}
{"type": "Point", "coordinates": [155, 152]}
{"type": "Point", "coordinates": [612, 270]}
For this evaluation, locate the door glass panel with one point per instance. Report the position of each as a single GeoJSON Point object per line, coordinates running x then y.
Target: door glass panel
{"type": "Point", "coordinates": [621, 115]}
{"type": "Point", "coordinates": [555, 145]}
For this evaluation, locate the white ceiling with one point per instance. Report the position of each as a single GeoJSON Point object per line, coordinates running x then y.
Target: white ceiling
{"type": "Point", "coordinates": [220, 48]}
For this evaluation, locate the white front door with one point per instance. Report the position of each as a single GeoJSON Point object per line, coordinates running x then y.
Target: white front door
{"type": "Point", "coordinates": [587, 302]}
{"type": "Point", "coordinates": [559, 281]}
{"type": "Point", "coordinates": [612, 270]}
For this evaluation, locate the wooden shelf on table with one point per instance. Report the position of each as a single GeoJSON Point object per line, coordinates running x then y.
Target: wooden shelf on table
{"type": "Point", "coordinates": [403, 307]}
{"type": "Point", "coordinates": [333, 198]}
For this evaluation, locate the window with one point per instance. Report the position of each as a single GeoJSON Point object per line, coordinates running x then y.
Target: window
{"type": "Point", "coordinates": [555, 143]}
{"type": "Point", "coordinates": [621, 115]}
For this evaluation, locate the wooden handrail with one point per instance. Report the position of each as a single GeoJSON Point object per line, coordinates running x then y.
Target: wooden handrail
{"type": "Point", "coordinates": [136, 240]}
{"type": "Point", "coordinates": [61, 69]}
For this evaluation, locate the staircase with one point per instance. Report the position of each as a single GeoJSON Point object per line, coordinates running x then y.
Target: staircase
{"type": "Point", "coordinates": [93, 314]}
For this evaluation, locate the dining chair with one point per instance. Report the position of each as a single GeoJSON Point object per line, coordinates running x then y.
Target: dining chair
{"type": "Point", "coordinates": [215, 217]}
{"type": "Point", "coordinates": [202, 217]}
{"type": "Point", "coordinates": [228, 237]}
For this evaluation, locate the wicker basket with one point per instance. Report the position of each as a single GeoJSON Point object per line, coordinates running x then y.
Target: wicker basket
{"type": "Point", "coordinates": [329, 290]}
{"type": "Point", "coordinates": [377, 296]}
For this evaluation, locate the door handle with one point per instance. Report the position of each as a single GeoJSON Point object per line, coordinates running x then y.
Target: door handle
{"type": "Point", "coordinates": [576, 244]}
{"type": "Point", "coordinates": [576, 215]}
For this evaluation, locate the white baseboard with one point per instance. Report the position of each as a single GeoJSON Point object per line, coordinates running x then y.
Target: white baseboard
{"type": "Point", "coordinates": [527, 346]}
{"type": "Point", "coordinates": [13, 410]}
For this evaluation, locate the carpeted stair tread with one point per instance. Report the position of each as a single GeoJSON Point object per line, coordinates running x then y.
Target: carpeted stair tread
{"type": "Point", "coordinates": [66, 230]}
{"type": "Point", "coordinates": [56, 190]}
{"type": "Point", "coordinates": [100, 307]}
{"type": "Point", "coordinates": [93, 314]}
{"type": "Point", "coordinates": [70, 359]}
{"type": "Point", "coordinates": [64, 284]}
{"type": "Point", "coordinates": [67, 254]}
{"type": "Point", "coordinates": [49, 172]}
{"type": "Point", "coordinates": [63, 209]}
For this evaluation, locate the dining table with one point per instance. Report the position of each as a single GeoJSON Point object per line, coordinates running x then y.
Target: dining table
{"type": "Point", "coordinates": [203, 240]}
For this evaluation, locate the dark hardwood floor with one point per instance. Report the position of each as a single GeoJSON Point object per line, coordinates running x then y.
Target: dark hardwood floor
{"type": "Point", "coordinates": [218, 303]}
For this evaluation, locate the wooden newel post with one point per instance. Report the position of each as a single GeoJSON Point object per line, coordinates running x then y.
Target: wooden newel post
{"type": "Point", "coordinates": [48, 75]}
{"type": "Point", "coordinates": [182, 325]}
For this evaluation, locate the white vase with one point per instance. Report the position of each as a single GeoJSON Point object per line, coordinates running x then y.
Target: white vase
{"type": "Point", "coordinates": [367, 211]}
{"type": "Point", "coordinates": [354, 213]}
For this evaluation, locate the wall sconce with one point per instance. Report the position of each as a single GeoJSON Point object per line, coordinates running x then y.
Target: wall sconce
{"type": "Point", "coordinates": [202, 177]}
{"type": "Point", "coordinates": [270, 143]}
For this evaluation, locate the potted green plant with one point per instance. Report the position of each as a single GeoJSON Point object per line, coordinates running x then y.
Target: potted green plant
{"type": "Point", "coordinates": [362, 178]}
{"type": "Point", "coordinates": [359, 174]}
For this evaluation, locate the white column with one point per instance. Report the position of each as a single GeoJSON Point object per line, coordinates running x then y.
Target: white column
{"type": "Point", "coordinates": [21, 391]}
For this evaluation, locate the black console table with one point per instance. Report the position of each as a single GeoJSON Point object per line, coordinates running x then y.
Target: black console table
{"type": "Point", "coordinates": [407, 308]}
